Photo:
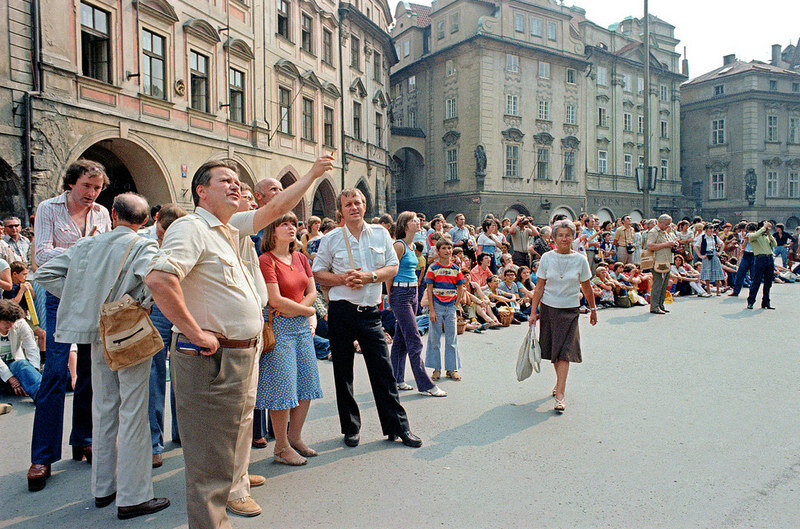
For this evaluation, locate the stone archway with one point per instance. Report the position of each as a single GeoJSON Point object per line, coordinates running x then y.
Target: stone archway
{"type": "Point", "coordinates": [288, 177]}
{"type": "Point", "coordinates": [364, 188]}
{"type": "Point", "coordinates": [636, 216]}
{"type": "Point", "coordinates": [512, 211]}
{"type": "Point", "coordinates": [324, 202]}
{"type": "Point", "coordinates": [130, 167]}
{"type": "Point", "coordinates": [792, 223]}
{"type": "Point", "coordinates": [563, 210]}
{"type": "Point", "coordinates": [605, 214]}
{"type": "Point", "coordinates": [408, 169]}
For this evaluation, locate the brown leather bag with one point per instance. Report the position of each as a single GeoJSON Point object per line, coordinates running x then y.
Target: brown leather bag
{"type": "Point", "coordinates": [267, 332]}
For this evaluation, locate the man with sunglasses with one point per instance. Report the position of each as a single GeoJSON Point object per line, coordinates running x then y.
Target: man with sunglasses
{"type": "Point", "coordinates": [18, 244]}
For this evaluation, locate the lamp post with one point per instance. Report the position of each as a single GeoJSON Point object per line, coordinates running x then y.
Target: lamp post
{"type": "Point", "coordinates": [646, 182]}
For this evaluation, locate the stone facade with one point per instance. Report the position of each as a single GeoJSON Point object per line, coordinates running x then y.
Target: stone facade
{"type": "Point", "coordinates": [741, 141]}
{"type": "Point", "coordinates": [154, 88]}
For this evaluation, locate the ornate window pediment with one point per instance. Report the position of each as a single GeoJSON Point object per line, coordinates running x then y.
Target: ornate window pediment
{"type": "Point", "coordinates": [543, 138]}
{"type": "Point", "coordinates": [513, 134]}
{"type": "Point", "coordinates": [603, 140]}
{"type": "Point", "coordinates": [627, 103]}
{"type": "Point", "coordinates": [664, 150]}
{"type": "Point", "coordinates": [794, 163]}
{"type": "Point", "coordinates": [570, 142]}
{"type": "Point", "coordinates": [451, 137]}
{"type": "Point", "coordinates": [380, 99]}
{"type": "Point", "coordinates": [201, 29]}
{"type": "Point", "coordinates": [774, 162]}
{"type": "Point", "coordinates": [358, 88]}
{"type": "Point", "coordinates": [240, 49]}
{"type": "Point", "coordinates": [333, 90]}
{"type": "Point", "coordinates": [664, 112]}
{"type": "Point", "coordinates": [316, 8]}
{"type": "Point", "coordinates": [718, 165]}
{"type": "Point", "coordinates": [310, 79]}
{"type": "Point", "coordinates": [602, 97]}
{"type": "Point", "coordinates": [629, 144]}
{"type": "Point", "coordinates": [157, 8]}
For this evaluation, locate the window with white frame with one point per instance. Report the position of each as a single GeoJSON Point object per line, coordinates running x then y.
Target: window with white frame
{"type": "Point", "coordinates": [236, 95]}
{"type": "Point", "coordinates": [795, 87]}
{"type": "Point", "coordinates": [570, 76]}
{"type": "Point", "coordinates": [153, 59]}
{"type": "Point", "coordinates": [571, 115]}
{"type": "Point", "coordinates": [450, 67]}
{"type": "Point", "coordinates": [327, 47]}
{"type": "Point", "coordinates": [512, 105]}
{"type": "Point", "coordinates": [198, 81]}
{"type": "Point", "coordinates": [412, 83]}
{"type": "Point", "coordinates": [717, 186]}
{"type": "Point", "coordinates": [772, 128]}
{"type": "Point", "coordinates": [512, 161]}
{"type": "Point", "coordinates": [602, 162]}
{"type": "Point", "coordinates": [544, 70]}
{"type": "Point", "coordinates": [717, 131]}
{"type": "Point", "coordinates": [627, 122]}
{"type": "Point", "coordinates": [664, 93]}
{"type": "Point", "coordinates": [602, 76]}
{"type": "Point", "coordinates": [454, 22]}
{"type": "Point", "coordinates": [569, 165]}
{"type": "Point", "coordinates": [307, 132]}
{"type": "Point", "coordinates": [512, 62]}
{"type": "Point", "coordinates": [627, 165]}
{"type": "Point", "coordinates": [640, 84]}
{"type": "Point", "coordinates": [794, 130]}
{"type": "Point", "coordinates": [378, 129]}
{"type": "Point", "coordinates": [306, 33]}
{"type": "Point", "coordinates": [327, 128]}
{"type": "Point", "coordinates": [719, 90]}
{"type": "Point", "coordinates": [377, 66]}
{"type": "Point", "coordinates": [355, 52]}
{"type": "Point", "coordinates": [398, 118]}
{"type": "Point", "coordinates": [602, 117]}
{"type": "Point", "coordinates": [406, 47]}
{"type": "Point", "coordinates": [664, 168]}
{"type": "Point", "coordinates": [440, 30]}
{"type": "Point", "coordinates": [664, 129]}
{"type": "Point", "coordinates": [794, 184]}
{"type": "Point", "coordinates": [641, 161]}
{"type": "Point", "coordinates": [96, 43]}
{"type": "Point", "coordinates": [536, 27]}
{"type": "Point", "coordinates": [450, 108]}
{"type": "Point", "coordinates": [412, 118]}
{"type": "Point", "coordinates": [357, 120]}
{"type": "Point", "coordinates": [452, 165]}
{"type": "Point", "coordinates": [551, 31]}
{"type": "Point", "coordinates": [641, 125]}
{"type": "Point", "coordinates": [773, 85]}
{"type": "Point", "coordinates": [772, 184]}
{"type": "Point", "coordinates": [543, 163]}
{"type": "Point", "coordinates": [519, 22]}
{"type": "Point", "coordinates": [284, 18]}
{"type": "Point", "coordinates": [544, 110]}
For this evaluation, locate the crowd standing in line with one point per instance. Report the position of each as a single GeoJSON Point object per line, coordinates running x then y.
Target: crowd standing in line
{"type": "Point", "coordinates": [218, 279]}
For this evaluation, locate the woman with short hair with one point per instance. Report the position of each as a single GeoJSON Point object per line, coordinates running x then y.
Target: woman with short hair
{"type": "Point", "coordinates": [562, 275]}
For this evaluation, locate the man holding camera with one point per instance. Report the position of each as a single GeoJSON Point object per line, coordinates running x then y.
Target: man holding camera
{"type": "Point", "coordinates": [661, 242]}
{"type": "Point", "coordinates": [520, 233]}
{"type": "Point", "coordinates": [623, 240]}
{"type": "Point", "coordinates": [762, 242]}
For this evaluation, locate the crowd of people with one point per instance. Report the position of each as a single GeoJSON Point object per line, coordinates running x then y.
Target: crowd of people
{"type": "Point", "coordinates": [245, 299]}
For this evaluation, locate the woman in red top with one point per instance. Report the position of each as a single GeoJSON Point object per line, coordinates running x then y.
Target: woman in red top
{"type": "Point", "coordinates": [288, 378]}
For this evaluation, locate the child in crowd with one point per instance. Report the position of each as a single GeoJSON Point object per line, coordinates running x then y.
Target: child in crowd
{"type": "Point", "coordinates": [606, 251]}
{"type": "Point", "coordinates": [444, 285]}
{"type": "Point", "coordinates": [19, 280]}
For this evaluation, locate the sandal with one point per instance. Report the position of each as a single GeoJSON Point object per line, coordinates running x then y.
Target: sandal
{"type": "Point", "coordinates": [559, 407]}
{"type": "Point", "coordinates": [291, 462]}
{"type": "Point", "coordinates": [554, 391]}
{"type": "Point", "coordinates": [453, 375]}
{"type": "Point", "coordinates": [305, 452]}
{"type": "Point", "coordinates": [402, 386]}
{"type": "Point", "coordinates": [436, 375]}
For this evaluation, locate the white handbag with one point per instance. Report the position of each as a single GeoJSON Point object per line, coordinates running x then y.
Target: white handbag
{"type": "Point", "coordinates": [529, 358]}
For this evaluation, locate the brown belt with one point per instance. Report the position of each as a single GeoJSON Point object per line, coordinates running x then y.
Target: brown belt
{"type": "Point", "coordinates": [223, 343]}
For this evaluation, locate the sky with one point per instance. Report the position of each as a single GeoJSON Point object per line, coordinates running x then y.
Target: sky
{"type": "Point", "coordinates": [708, 28]}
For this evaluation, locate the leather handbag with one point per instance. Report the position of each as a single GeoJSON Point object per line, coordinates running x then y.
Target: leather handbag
{"type": "Point", "coordinates": [127, 334]}
{"type": "Point", "coordinates": [267, 332]}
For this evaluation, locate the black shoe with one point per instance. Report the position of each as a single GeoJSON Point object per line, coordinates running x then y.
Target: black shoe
{"type": "Point", "coordinates": [352, 439]}
{"type": "Point", "coordinates": [750, 306]}
{"type": "Point", "coordinates": [665, 310]}
{"type": "Point", "coordinates": [148, 507]}
{"type": "Point", "coordinates": [768, 307]}
{"type": "Point", "coordinates": [105, 500]}
{"type": "Point", "coordinates": [408, 438]}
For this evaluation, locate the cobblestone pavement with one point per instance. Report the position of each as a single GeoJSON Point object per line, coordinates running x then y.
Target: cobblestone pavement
{"type": "Point", "coordinates": [684, 420]}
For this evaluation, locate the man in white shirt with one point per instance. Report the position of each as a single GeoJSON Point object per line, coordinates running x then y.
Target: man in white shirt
{"type": "Point", "coordinates": [17, 243]}
{"type": "Point", "coordinates": [354, 261]}
{"type": "Point", "coordinates": [19, 353]}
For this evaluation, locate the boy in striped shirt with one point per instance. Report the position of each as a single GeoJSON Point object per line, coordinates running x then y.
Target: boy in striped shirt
{"type": "Point", "coordinates": [445, 284]}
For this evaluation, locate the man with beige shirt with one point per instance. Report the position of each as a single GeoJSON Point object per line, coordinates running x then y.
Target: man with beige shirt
{"type": "Point", "coordinates": [202, 285]}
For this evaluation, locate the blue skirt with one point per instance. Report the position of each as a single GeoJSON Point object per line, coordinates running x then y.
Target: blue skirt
{"type": "Point", "coordinates": [288, 373]}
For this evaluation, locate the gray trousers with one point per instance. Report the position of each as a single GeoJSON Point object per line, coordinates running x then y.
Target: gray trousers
{"type": "Point", "coordinates": [659, 290]}
{"type": "Point", "coordinates": [121, 450]}
{"type": "Point", "coordinates": [241, 478]}
{"type": "Point", "coordinates": [212, 397]}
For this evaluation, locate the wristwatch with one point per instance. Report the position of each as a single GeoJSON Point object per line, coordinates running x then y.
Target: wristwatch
{"type": "Point", "coordinates": [374, 277]}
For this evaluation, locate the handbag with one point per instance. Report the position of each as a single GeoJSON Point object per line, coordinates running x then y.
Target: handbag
{"type": "Point", "coordinates": [127, 334]}
{"type": "Point", "coordinates": [267, 332]}
{"type": "Point", "coordinates": [530, 356]}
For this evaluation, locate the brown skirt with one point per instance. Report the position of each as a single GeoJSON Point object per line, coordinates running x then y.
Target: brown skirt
{"type": "Point", "coordinates": [559, 337]}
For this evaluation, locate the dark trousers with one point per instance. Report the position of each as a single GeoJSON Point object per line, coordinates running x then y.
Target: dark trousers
{"type": "Point", "coordinates": [745, 267]}
{"type": "Point", "coordinates": [345, 324]}
{"type": "Point", "coordinates": [763, 271]}
{"type": "Point", "coordinates": [48, 420]}
{"type": "Point", "coordinates": [406, 341]}
{"type": "Point", "coordinates": [521, 258]}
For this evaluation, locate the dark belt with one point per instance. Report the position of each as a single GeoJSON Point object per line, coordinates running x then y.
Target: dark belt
{"type": "Point", "coordinates": [223, 343]}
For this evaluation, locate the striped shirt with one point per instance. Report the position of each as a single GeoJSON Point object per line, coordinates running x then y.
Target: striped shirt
{"type": "Point", "coordinates": [445, 281]}
{"type": "Point", "coordinates": [55, 231]}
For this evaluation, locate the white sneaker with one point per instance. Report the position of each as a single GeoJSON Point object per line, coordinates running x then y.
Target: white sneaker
{"type": "Point", "coordinates": [435, 391]}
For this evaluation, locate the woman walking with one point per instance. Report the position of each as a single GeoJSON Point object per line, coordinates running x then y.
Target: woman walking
{"type": "Point", "coordinates": [403, 299]}
{"type": "Point", "coordinates": [288, 378]}
{"type": "Point", "coordinates": [561, 277]}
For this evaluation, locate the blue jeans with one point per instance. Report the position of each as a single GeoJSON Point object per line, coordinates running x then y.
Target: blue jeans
{"type": "Point", "coordinates": [745, 267]}
{"type": "Point", "coordinates": [763, 271]}
{"type": "Point", "coordinates": [158, 386]}
{"type": "Point", "coordinates": [28, 376]}
{"type": "Point", "coordinates": [48, 421]}
{"type": "Point", "coordinates": [445, 323]}
{"type": "Point", "coordinates": [783, 253]}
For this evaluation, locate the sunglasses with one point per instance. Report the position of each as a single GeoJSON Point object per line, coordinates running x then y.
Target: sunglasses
{"type": "Point", "coordinates": [12, 225]}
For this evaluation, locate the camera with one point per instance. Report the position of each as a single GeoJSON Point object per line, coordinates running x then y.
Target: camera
{"type": "Point", "coordinates": [630, 248]}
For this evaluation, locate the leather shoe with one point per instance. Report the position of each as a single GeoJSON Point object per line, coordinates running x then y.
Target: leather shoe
{"type": "Point", "coordinates": [37, 477]}
{"type": "Point", "coordinates": [148, 507]}
{"type": "Point", "coordinates": [408, 438]}
{"type": "Point", "coordinates": [750, 306]}
{"type": "Point", "coordinates": [259, 443]}
{"type": "Point", "coordinates": [256, 480]}
{"type": "Point", "coordinates": [352, 439]}
{"type": "Point", "coordinates": [665, 310]}
{"type": "Point", "coordinates": [79, 453]}
{"type": "Point", "coordinates": [105, 501]}
{"type": "Point", "coordinates": [158, 460]}
{"type": "Point", "coordinates": [768, 307]}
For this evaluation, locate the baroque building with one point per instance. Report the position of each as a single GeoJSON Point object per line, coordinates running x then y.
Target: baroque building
{"type": "Point", "coordinates": [526, 106]}
{"type": "Point", "coordinates": [741, 139]}
{"type": "Point", "coordinates": [154, 88]}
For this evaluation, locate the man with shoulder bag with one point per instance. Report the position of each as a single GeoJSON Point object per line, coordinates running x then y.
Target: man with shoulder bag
{"type": "Point", "coordinates": [660, 242]}
{"type": "Point", "coordinates": [108, 270]}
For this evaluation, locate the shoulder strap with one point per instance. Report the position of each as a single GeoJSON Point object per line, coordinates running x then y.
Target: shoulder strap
{"type": "Point", "coordinates": [119, 268]}
{"type": "Point", "coordinates": [347, 244]}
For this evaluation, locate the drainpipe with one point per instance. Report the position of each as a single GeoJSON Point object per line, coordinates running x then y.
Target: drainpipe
{"type": "Point", "coordinates": [27, 105]}
{"type": "Point", "coordinates": [342, 16]}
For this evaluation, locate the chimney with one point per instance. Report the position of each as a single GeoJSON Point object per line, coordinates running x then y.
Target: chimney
{"type": "Point", "coordinates": [776, 55]}
{"type": "Point", "coordinates": [729, 59]}
{"type": "Point", "coordinates": [685, 63]}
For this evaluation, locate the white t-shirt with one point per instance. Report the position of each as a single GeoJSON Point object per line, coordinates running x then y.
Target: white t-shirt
{"type": "Point", "coordinates": [564, 273]}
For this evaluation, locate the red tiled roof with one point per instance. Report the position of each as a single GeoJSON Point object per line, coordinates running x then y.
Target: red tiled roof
{"type": "Point", "coordinates": [423, 14]}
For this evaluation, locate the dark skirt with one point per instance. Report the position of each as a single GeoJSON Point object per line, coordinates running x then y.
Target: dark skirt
{"type": "Point", "coordinates": [559, 337]}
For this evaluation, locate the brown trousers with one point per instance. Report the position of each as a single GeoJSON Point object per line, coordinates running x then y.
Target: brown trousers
{"type": "Point", "coordinates": [211, 398]}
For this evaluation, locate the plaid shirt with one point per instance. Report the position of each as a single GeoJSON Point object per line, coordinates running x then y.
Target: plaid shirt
{"type": "Point", "coordinates": [55, 231]}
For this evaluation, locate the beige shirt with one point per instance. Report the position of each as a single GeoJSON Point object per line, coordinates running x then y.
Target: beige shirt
{"type": "Point", "coordinates": [218, 289]}
{"type": "Point", "coordinates": [659, 236]}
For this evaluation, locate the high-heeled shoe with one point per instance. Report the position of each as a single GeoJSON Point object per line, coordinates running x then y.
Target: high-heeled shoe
{"type": "Point", "coordinates": [292, 463]}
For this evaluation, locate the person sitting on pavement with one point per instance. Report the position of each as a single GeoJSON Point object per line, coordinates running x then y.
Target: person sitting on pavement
{"type": "Point", "coordinates": [21, 285]}
{"type": "Point", "coordinates": [19, 353]}
{"type": "Point", "coordinates": [685, 279]}
{"type": "Point", "coordinates": [482, 305]}
{"type": "Point", "coordinates": [481, 271]}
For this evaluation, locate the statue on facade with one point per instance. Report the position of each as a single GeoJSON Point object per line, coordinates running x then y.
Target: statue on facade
{"type": "Point", "coordinates": [480, 161]}
{"type": "Point", "coordinates": [750, 183]}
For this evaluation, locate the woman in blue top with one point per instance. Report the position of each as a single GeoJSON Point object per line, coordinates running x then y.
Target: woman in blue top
{"type": "Point", "coordinates": [489, 242]}
{"type": "Point", "coordinates": [403, 300]}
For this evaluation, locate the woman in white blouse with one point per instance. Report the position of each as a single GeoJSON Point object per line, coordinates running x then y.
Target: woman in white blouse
{"type": "Point", "coordinates": [562, 275]}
